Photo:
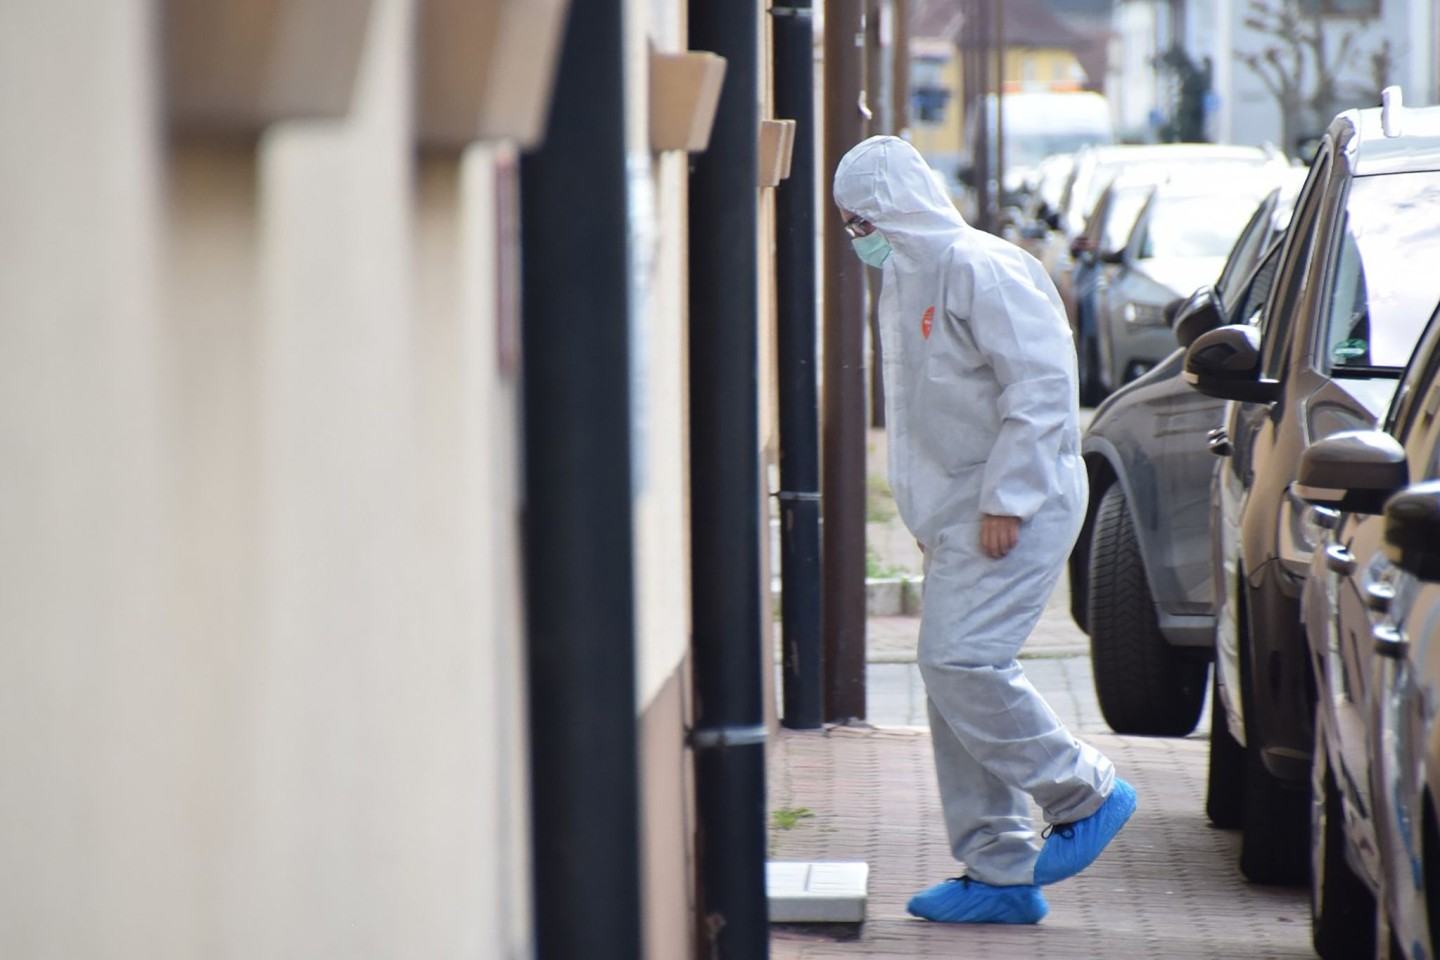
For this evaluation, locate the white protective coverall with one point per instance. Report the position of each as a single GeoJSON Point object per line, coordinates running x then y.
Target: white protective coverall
{"type": "Point", "coordinates": [982, 408]}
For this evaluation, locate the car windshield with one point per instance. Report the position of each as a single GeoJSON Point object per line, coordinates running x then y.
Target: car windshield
{"type": "Point", "coordinates": [1124, 209]}
{"type": "Point", "coordinates": [1216, 170]}
{"type": "Point", "coordinates": [1196, 226]}
{"type": "Point", "coordinates": [1379, 298]}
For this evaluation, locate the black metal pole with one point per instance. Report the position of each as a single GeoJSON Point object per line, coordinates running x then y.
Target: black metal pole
{"type": "Point", "coordinates": [803, 657]}
{"type": "Point", "coordinates": [984, 169]}
{"type": "Point", "coordinates": [843, 466]}
{"type": "Point", "coordinates": [578, 549]}
{"type": "Point", "coordinates": [998, 13]}
{"type": "Point", "coordinates": [729, 735]}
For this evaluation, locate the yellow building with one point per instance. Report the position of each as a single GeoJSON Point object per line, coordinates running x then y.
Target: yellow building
{"type": "Point", "coordinates": [1040, 54]}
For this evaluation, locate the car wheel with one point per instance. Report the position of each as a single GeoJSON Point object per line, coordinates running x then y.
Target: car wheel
{"type": "Point", "coordinates": [1144, 685]}
{"type": "Point", "coordinates": [1274, 819]}
{"type": "Point", "coordinates": [1225, 782]}
{"type": "Point", "coordinates": [1342, 908]}
{"type": "Point", "coordinates": [1091, 391]}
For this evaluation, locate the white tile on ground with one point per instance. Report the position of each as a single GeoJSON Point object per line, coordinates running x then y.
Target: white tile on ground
{"type": "Point", "coordinates": [823, 891]}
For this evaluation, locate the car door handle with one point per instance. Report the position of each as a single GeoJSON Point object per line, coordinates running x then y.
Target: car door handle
{"type": "Point", "coordinates": [1339, 560]}
{"type": "Point", "coordinates": [1217, 441]}
{"type": "Point", "coordinates": [1378, 597]}
{"type": "Point", "coordinates": [1389, 642]}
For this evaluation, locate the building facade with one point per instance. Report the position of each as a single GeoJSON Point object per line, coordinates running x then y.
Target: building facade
{"type": "Point", "coordinates": [261, 577]}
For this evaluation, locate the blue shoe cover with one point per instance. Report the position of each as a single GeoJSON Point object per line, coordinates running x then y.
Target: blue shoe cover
{"type": "Point", "coordinates": [1071, 847]}
{"type": "Point", "coordinates": [963, 900]}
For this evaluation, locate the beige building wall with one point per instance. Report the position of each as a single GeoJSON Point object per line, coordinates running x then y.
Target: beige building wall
{"type": "Point", "coordinates": [257, 572]}
{"type": "Point", "coordinates": [659, 313]}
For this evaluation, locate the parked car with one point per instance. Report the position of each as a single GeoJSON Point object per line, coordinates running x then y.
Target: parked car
{"type": "Point", "coordinates": [1040, 213]}
{"type": "Point", "coordinates": [1351, 588]}
{"type": "Point", "coordinates": [1092, 252]}
{"type": "Point", "coordinates": [1325, 358]}
{"type": "Point", "coordinates": [1177, 244]}
{"type": "Point", "coordinates": [1152, 238]}
{"type": "Point", "coordinates": [1140, 580]}
{"type": "Point", "coordinates": [1096, 166]}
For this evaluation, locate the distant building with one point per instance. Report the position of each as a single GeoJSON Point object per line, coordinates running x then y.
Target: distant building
{"type": "Point", "coordinates": [1390, 41]}
{"type": "Point", "coordinates": [1044, 50]}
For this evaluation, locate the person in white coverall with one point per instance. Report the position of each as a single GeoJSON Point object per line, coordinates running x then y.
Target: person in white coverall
{"type": "Point", "coordinates": [982, 408]}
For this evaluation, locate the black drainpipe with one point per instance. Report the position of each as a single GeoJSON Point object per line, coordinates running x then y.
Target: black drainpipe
{"type": "Point", "coordinates": [729, 734]}
{"type": "Point", "coordinates": [578, 549]}
{"type": "Point", "coordinates": [803, 681]}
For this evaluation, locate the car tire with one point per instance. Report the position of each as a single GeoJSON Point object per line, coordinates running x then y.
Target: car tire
{"type": "Point", "coordinates": [1275, 815]}
{"type": "Point", "coordinates": [1144, 685]}
{"type": "Point", "coordinates": [1225, 780]}
{"type": "Point", "coordinates": [1342, 907]}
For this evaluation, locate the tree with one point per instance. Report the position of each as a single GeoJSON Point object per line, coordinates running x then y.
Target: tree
{"type": "Point", "coordinates": [1187, 114]}
{"type": "Point", "coordinates": [1302, 63]}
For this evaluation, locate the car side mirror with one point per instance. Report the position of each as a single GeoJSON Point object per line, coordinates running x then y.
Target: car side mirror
{"type": "Point", "coordinates": [1196, 315]}
{"type": "Point", "coordinates": [1355, 471]}
{"type": "Point", "coordinates": [1081, 245]}
{"type": "Point", "coordinates": [1225, 364]}
{"type": "Point", "coordinates": [1052, 219]}
{"type": "Point", "coordinates": [1112, 256]}
{"type": "Point", "coordinates": [1412, 530]}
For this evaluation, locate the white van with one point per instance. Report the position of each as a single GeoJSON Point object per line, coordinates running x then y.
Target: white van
{"type": "Point", "coordinates": [1039, 124]}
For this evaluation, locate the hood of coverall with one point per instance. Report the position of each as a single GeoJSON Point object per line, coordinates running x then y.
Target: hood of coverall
{"type": "Point", "coordinates": [886, 181]}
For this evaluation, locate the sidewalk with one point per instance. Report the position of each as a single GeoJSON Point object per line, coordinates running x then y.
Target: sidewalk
{"type": "Point", "coordinates": [1168, 888]}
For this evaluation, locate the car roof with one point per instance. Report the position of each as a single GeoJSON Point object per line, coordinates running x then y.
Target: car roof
{"type": "Point", "coordinates": [1121, 153]}
{"type": "Point", "coordinates": [1369, 152]}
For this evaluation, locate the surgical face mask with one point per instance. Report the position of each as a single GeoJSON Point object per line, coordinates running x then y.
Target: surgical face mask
{"type": "Point", "coordinates": [872, 248]}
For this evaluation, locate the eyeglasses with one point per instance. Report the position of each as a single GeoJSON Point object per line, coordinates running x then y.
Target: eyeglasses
{"type": "Point", "coordinates": [858, 227]}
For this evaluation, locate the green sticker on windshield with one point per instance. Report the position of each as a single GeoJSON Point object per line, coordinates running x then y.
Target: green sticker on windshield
{"type": "Point", "coordinates": [1349, 349]}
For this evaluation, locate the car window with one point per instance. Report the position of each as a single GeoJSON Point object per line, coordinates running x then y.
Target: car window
{"type": "Point", "coordinates": [1250, 306]}
{"type": "Point", "coordinates": [1247, 247]}
{"type": "Point", "coordinates": [1285, 296]}
{"type": "Point", "coordinates": [1124, 210]}
{"type": "Point", "coordinates": [1421, 377]}
{"type": "Point", "coordinates": [1378, 301]}
{"type": "Point", "coordinates": [1195, 226]}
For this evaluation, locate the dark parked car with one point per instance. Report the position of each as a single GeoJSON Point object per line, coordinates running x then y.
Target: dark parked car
{"type": "Point", "coordinates": [1351, 590]}
{"type": "Point", "coordinates": [1340, 323]}
{"type": "Point", "coordinates": [1140, 581]}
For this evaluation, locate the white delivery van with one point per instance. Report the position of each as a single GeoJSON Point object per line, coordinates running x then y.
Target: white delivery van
{"type": "Point", "coordinates": [1039, 124]}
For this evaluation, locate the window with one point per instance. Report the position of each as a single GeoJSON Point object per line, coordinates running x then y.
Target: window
{"type": "Point", "coordinates": [1379, 301]}
{"type": "Point", "coordinates": [1250, 307]}
{"type": "Point", "coordinates": [1280, 315]}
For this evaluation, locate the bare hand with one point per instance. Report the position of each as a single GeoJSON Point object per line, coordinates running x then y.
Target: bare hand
{"type": "Point", "coordinates": [998, 535]}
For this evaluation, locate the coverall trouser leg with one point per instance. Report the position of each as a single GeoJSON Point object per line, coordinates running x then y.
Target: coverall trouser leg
{"type": "Point", "coordinates": [997, 743]}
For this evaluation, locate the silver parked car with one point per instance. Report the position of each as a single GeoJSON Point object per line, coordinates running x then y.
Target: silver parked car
{"type": "Point", "coordinates": [1178, 243]}
{"type": "Point", "coordinates": [1095, 167]}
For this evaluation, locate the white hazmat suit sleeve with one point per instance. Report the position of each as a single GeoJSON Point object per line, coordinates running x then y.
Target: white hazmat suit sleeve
{"type": "Point", "coordinates": [1017, 326]}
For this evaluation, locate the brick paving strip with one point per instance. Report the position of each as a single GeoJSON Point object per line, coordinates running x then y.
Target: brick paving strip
{"type": "Point", "coordinates": [1167, 888]}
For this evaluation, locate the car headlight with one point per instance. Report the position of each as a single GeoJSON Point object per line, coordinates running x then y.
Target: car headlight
{"type": "Point", "coordinates": [1144, 314]}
